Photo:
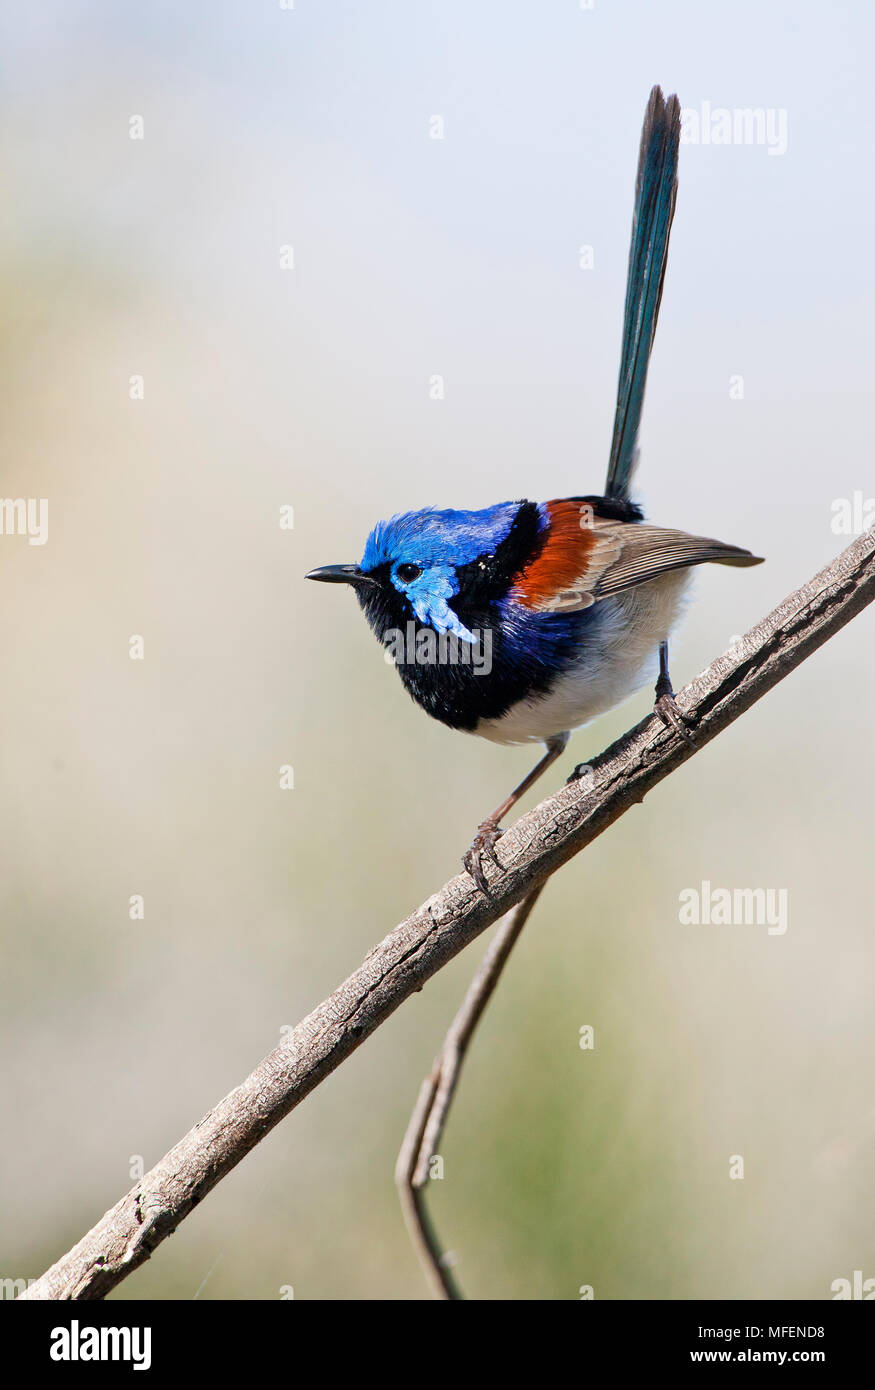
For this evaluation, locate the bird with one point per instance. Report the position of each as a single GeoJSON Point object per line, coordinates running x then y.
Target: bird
{"type": "Point", "coordinates": [522, 621]}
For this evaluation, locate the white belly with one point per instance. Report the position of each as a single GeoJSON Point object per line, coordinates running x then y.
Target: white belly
{"type": "Point", "coordinates": [625, 659]}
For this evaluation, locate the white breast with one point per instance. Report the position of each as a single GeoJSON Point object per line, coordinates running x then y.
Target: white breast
{"type": "Point", "coordinates": [625, 658]}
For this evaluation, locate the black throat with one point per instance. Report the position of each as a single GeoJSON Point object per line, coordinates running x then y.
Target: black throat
{"type": "Point", "coordinates": [453, 682]}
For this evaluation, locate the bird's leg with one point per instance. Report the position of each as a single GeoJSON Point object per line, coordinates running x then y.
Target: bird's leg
{"type": "Point", "coordinates": [666, 706]}
{"type": "Point", "coordinates": [488, 831]}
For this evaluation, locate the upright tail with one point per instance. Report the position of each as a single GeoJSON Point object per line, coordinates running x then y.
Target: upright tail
{"type": "Point", "coordinates": [655, 192]}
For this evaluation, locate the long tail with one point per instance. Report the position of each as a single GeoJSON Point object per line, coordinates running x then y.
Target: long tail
{"type": "Point", "coordinates": [655, 192]}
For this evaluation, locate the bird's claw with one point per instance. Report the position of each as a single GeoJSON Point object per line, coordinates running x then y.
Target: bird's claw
{"type": "Point", "coordinates": [483, 844]}
{"type": "Point", "coordinates": [668, 710]}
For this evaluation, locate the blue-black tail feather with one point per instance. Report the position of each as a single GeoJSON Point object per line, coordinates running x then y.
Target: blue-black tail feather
{"type": "Point", "coordinates": [655, 192]}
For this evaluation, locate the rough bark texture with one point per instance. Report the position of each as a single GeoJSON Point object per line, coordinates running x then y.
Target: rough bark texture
{"type": "Point", "coordinates": [534, 848]}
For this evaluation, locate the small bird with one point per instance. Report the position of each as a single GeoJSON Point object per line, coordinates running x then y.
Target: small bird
{"type": "Point", "coordinates": [524, 620]}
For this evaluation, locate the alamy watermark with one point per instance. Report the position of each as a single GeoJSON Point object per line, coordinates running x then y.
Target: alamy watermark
{"type": "Point", "coordinates": [422, 646]}
{"type": "Point", "coordinates": [78, 1343]}
{"type": "Point", "coordinates": [738, 125]}
{"type": "Point", "coordinates": [734, 907]}
{"type": "Point", "coordinates": [853, 515]}
{"type": "Point", "coordinates": [20, 516]}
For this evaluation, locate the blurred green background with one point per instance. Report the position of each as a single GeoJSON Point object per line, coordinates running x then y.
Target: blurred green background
{"type": "Point", "coordinates": [266, 127]}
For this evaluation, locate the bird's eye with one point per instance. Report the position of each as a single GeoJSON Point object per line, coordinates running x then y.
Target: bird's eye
{"type": "Point", "coordinates": [407, 573]}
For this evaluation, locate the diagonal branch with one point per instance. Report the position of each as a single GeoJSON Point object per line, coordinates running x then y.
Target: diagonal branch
{"type": "Point", "coordinates": [436, 1093]}
{"type": "Point", "coordinates": [535, 847]}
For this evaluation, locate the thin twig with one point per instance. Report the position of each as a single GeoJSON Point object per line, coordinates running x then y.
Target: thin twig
{"type": "Point", "coordinates": [424, 1131]}
{"type": "Point", "coordinates": [530, 851]}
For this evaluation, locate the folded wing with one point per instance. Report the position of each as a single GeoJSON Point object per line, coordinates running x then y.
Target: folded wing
{"type": "Point", "coordinates": [586, 558]}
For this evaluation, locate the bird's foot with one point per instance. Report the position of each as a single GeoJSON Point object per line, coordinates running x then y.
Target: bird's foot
{"type": "Point", "coordinates": [672, 716]}
{"type": "Point", "coordinates": [482, 845]}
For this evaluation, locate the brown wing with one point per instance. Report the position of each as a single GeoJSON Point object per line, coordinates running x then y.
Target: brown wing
{"type": "Point", "coordinates": [648, 551]}
{"type": "Point", "coordinates": [587, 559]}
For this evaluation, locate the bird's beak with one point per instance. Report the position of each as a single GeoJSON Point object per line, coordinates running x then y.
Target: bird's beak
{"type": "Point", "coordinates": [340, 574]}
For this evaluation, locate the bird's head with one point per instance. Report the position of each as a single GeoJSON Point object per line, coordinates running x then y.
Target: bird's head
{"type": "Point", "coordinates": [439, 568]}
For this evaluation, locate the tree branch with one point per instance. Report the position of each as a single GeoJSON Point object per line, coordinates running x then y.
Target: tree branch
{"type": "Point", "coordinates": [537, 845]}
{"type": "Point", "coordinates": [426, 1126]}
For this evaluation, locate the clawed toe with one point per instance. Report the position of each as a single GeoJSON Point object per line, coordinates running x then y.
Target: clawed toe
{"type": "Point", "coordinates": [483, 844]}
{"type": "Point", "coordinates": [667, 709]}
